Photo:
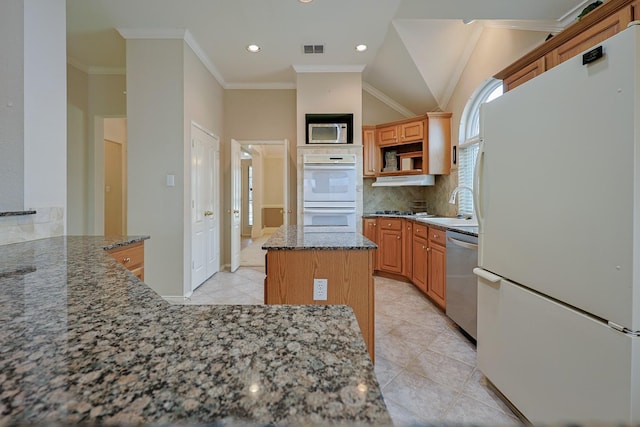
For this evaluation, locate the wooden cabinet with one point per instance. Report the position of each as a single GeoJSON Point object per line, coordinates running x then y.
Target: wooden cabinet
{"type": "Point", "coordinates": [421, 145]}
{"type": "Point", "coordinates": [591, 36]}
{"type": "Point", "coordinates": [525, 74]}
{"type": "Point", "coordinates": [407, 249]}
{"type": "Point", "coordinates": [370, 231]}
{"type": "Point", "coordinates": [411, 251]}
{"type": "Point", "coordinates": [436, 288]}
{"type": "Point", "coordinates": [131, 256]}
{"type": "Point", "coordinates": [603, 22]}
{"type": "Point", "coordinates": [420, 276]}
{"type": "Point", "coordinates": [387, 135]}
{"type": "Point", "coordinates": [390, 245]}
{"type": "Point", "coordinates": [370, 152]}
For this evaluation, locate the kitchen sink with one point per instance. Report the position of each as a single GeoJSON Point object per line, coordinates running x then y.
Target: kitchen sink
{"type": "Point", "coordinates": [452, 222]}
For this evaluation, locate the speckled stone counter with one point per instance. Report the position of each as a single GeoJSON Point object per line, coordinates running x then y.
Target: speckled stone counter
{"type": "Point", "coordinates": [293, 237]}
{"type": "Point", "coordinates": [83, 340]}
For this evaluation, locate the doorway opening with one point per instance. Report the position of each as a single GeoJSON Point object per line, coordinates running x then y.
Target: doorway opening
{"type": "Point", "coordinates": [260, 199]}
{"type": "Point", "coordinates": [115, 176]}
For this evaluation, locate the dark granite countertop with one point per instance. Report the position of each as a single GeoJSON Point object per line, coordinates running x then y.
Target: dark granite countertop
{"type": "Point", "coordinates": [432, 221]}
{"type": "Point", "coordinates": [293, 237]}
{"type": "Point", "coordinates": [83, 340]}
{"type": "Point", "coordinates": [18, 213]}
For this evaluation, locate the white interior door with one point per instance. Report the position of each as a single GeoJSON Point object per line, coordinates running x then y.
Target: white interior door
{"type": "Point", "coordinates": [205, 241]}
{"type": "Point", "coordinates": [286, 206]}
{"type": "Point", "coordinates": [236, 200]}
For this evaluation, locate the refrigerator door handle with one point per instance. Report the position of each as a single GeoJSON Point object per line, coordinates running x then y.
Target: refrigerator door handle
{"type": "Point", "coordinates": [484, 274]}
{"type": "Point", "coordinates": [477, 182]}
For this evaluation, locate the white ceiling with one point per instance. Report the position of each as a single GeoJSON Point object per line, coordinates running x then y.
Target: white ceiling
{"type": "Point", "coordinates": [417, 48]}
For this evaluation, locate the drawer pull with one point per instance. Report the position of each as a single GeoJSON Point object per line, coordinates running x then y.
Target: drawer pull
{"type": "Point", "coordinates": [126, 260]}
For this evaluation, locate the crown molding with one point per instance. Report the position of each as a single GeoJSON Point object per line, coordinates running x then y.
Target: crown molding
{"type": "Point", "coordinates": [547, 26]}
{"type": "Point", "coordinates": [206, 61]}
{"type": "Point", "coordinates": [386, 100]}
{"type": "Point", "coordinates": [274, 85]}
{"type": "Point", "coordinates": [523, 24]}
{"type": "Point", "coordinates": [152, 33]}
{"type": "Point", "coordinates": [91, 70]}
{"type": "Point", "coordinates": [176, 34]}
{"type": "Point", "coordinates": [329, 68]}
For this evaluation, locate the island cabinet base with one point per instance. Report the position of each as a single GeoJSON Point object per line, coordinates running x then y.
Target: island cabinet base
{"type": "Point", "coordinates": [349, 273]}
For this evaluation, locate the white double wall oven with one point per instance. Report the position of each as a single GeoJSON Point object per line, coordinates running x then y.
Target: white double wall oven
{"type": "Point", "coordinates": [329, 193]}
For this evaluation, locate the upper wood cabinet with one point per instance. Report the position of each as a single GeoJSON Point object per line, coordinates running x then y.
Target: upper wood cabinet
{"type": "Point", "coordinates": [370, 151]}
{"type": "Point", "coordinates": [606, 20]}
{"type": "Point", "coordinates": [420, 145]}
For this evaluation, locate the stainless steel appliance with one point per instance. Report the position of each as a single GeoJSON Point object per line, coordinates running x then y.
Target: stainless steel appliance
{"type": "Point", "coordinates": [462, 288]}
{"type": "Point", "coordinates": [327, 133]}
{"type": "Point", "coordinates": [329, 193]}
{"type": "Point", "coordinates": [329, 128]}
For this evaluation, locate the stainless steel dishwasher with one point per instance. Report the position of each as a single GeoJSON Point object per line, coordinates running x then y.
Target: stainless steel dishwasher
{"type": "Point", "coordinates": [462, 290]}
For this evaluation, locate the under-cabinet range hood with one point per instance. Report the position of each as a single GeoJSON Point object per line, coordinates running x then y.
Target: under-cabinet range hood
{"type": "Point", "coordinates": [404, 181]}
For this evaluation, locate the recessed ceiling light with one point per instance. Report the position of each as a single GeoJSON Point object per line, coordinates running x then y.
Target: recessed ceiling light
{"type": "Point", "coordinates": [305, 1]}
{"type": "Point", "coordinates": [361, 47]}
{"type": "Point", "coordinates": [253, 48]}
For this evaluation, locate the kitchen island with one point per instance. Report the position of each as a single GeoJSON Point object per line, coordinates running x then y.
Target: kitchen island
{"type": "Point", "coordinates": [342, 262]}
{"type": "Point", "coordinates": [83, 340]}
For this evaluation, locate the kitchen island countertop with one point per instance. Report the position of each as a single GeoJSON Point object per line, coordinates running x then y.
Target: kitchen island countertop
{"type": "Point", "coordinates": [83, 340]}
{"type": "Point", "coordinates": [293, 237]}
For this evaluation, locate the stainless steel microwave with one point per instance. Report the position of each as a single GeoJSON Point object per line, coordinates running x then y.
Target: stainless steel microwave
{"type": "Point", "coordinates": [327, 133]}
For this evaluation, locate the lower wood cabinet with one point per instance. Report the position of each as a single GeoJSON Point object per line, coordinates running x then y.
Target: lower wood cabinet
{"type": "Point", "coordinates": [420, 276]}
{"type": "Point", "coordinates": [370, 231]}
{"type": "Point", "coordinates": [131, 256]}
{"type": "Point", "coordinates": [390, 245]}
{"type": "Point", "coordinates": [436, 286]}
{"type": "Point", "coordinates": [411, 251]}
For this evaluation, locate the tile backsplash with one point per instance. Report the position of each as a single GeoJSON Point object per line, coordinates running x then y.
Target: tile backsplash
{"type": "Point", "coordinates": [435, 198]}
{"type": "Point", "coordinates": [46, 222]}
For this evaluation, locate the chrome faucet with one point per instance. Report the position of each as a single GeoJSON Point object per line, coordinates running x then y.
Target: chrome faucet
{"type": "Point", "coordinates": [455, 192]}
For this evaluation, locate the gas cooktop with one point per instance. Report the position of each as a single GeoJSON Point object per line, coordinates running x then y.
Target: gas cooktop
{"type": "Point", "coordinates": [403, 213]}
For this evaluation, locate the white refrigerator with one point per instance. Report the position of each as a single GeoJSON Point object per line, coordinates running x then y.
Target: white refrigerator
{"type": "Point", "coordinates": [558, 205]}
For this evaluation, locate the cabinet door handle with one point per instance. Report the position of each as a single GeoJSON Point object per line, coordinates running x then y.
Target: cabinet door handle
{"type": "Point", "coordinates": [398, 237]}
{"type": "Point", "coordinates": [126, 260]}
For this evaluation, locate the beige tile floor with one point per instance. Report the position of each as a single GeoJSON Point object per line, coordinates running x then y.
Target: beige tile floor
{"type": "Point", "coordinates": [424, 364]}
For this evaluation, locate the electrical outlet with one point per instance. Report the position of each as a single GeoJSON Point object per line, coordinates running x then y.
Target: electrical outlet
{"type": "Point", "coordinates": [319, 289]}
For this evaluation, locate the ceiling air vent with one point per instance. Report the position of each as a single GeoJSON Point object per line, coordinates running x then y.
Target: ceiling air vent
{"type": "Point", "coordinates": [313, 48]}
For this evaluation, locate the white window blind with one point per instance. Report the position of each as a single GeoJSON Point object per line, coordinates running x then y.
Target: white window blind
{"type": "Point", "coordinates": [470, 139]}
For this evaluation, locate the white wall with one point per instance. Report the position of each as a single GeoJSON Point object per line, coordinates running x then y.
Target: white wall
{"type": "Point", "coordinates": [329, 93]}
{"type": "Point", "coordinates": [155, 111]}
{"type": "Point", "coordinates": [77, 146]}
{"type": "Point", "coordinates": [44, 119]}
{"type": "Point", "coordinates": [168, 89]}
{"type": "Point", "coordinates": [11, 106]}
{"type": "Point", "coordinates": [91, 99]}
{"type": "Point", "coordinates": [45, 100]}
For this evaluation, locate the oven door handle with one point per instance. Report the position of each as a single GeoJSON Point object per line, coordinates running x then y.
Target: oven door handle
{"type": "Point", "coordinates": [331, 167]}
{"type": "Point", "coordinates": [329, 211]}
